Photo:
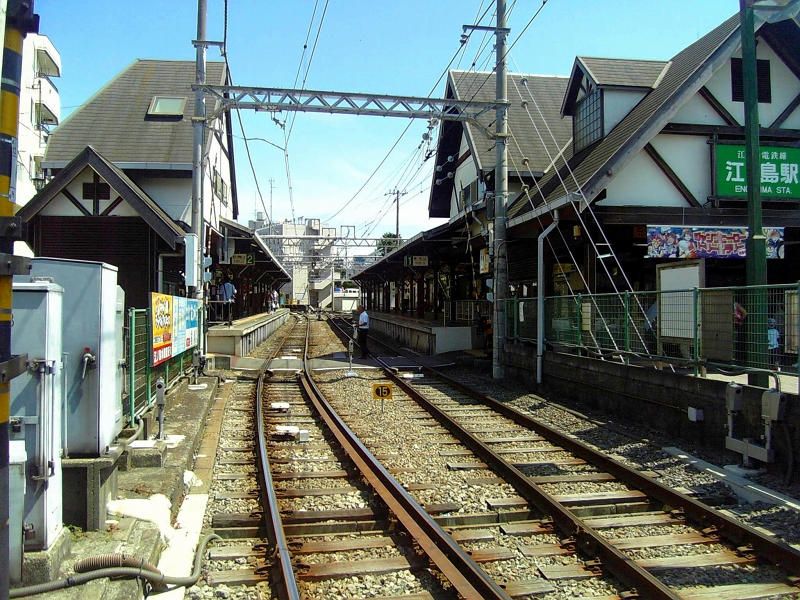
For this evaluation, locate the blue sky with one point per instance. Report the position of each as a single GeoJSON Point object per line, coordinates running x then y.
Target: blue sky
{"type": "Point", "coordinates": [397, 48]}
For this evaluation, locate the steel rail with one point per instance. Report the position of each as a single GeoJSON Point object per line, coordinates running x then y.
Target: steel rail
{"type": "Point", "coordinates": [745, 537]}
{"type": "Point", "coordinates": [283, 574]}
{"type": "Point", "coordinates": [471, 582]}
{"type": "Point", "coordinates": [578, 533]}
{"type": "Point", "coordinates": [777, 552]}
{"type": "Point", "coordinates": [739, 534]}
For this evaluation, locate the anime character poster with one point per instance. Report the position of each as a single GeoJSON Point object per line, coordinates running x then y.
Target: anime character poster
{"type": "Point", "coordinates": [675, 241]}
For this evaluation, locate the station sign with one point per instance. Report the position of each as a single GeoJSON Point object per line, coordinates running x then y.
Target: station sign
{"type": "Point", "coordinates": [243, 259]}
{"type": "Point", "coordinates": [780, 168]}
{"type": "Point", "coordinates": [416, 261]}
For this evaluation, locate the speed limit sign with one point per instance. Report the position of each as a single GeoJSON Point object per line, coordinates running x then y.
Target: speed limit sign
{"type": "Point", "coordinates": [381, 391]}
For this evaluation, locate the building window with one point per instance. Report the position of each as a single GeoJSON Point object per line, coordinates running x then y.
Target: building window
{"type": "Point", "coordinates": [764, 83]}
{"type": "Point", "coordinates": [220, 187]}
{"type": "Point", "coordinates": [163, 106]}
{"type": "Point", "coordinates": [588, 122]}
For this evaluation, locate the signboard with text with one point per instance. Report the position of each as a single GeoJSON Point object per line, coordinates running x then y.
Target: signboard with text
{"type": "Point", "coordinates": [161, 315]}
{"type": "Point", "coordinates": [678, 241]}
{"type": "Point", "coordinates": [174, 323]}
{"type": "Point", "coordinates": [779, 171]}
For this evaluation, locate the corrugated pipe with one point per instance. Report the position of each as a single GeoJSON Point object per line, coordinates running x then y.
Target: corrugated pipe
{"type": "Point", "coordinates": [154, 577]}
{"type": "Point", "coordinates": [110, 561]}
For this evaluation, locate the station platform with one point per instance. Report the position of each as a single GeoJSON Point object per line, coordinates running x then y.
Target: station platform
{"type": "Point", "coordinates": [242, 336]}
{"type": "Point", "coordinates": [425, 336]}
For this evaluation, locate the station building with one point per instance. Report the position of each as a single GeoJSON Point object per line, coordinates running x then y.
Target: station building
{"type": "Point", "coordinates": [119, 187]}
{"type": "Point", "coordinates": [641, 160]}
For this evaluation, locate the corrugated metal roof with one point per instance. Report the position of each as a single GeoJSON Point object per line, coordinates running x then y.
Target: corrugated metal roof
{"type": "Point", "coordinates": [528, 127]}
{"type": "Point", "coordinates": [589, 169]}
{"type": "Point", "coordinates": [114, 120]}
{"type": "Point", "coordinates": [623, 72]}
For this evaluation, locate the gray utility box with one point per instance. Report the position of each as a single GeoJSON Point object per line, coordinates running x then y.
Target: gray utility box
{"type": "Point", "coordinates": [37, 398]}
{"type": "Point", "coordinates": [94, 321]}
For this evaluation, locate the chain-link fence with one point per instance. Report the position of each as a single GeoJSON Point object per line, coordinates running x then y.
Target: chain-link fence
{"type": "Point", "coordinates": [745, 327]}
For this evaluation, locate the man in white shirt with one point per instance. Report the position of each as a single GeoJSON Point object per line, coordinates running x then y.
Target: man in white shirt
{"type": "Point", "coordinates": [363, 330]}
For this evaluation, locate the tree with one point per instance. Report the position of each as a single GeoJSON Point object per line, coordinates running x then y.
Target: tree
{"type": "Point", "coordinates": [388, 242]}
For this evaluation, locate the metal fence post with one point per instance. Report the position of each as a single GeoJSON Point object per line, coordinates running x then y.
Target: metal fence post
{"type": "Point", "coordinates": [148, 367]}
{"type": "Point", "coordinates": [695, 320]}
{"type": "Point", "coordinates": [132, 363]}
{"type": "Point", "coordinates": [579, 311]}
{"type": "Point", "coordinates": [627, 307]}
{"type": "Point", "coordinates": [516, 317]}
{"type": "Point", "coordinates": [796, 313]}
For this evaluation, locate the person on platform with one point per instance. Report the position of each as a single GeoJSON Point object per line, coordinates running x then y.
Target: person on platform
{"type": "Point", "coordinates": [227, 292]}
{"type": "Point", "coordinates": [363, 330]}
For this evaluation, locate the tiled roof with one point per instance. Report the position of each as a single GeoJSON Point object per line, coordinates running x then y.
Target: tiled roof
{"type": "Point", "coordinates": [113, 120]}
{"type": "Point", "coordinates": [623, 72]}
{"type": "Point", "coordinates": [526, 125]}
{"type": "Point", "coordinates": [687, 71]}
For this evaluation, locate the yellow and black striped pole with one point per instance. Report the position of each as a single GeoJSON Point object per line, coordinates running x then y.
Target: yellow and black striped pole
{"type": "Point", "coordinates": [20, 21]}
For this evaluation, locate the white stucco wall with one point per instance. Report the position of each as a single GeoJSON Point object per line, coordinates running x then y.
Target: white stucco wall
{"type": "Point", "coordinates": [62, 206]}
{"type": "Point", "coordinates": [698, 112]}
{"type": "Point", "coordinates": [616, 105]}
{"type": "Point", "coordinates": [641, 183]}
{"type": "Point", "coordinates": [174, 196]}
{"type": "Point", "coordinates": [465, 174]}
{"type": "Point", "coordinates": [785, 87]}
{"type": "Point", "coordinates": [690, 158]}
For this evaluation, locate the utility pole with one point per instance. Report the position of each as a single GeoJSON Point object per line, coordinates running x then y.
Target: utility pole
{"type": "Point", "coordinates": [500, 196]}
{"type": "Point", "coordinates": [269, 216]}
{"type": "Point", "coordinates": [197, 227]}
{"type": "Point", "coordinates": [755, 245]}
{"type": "Point", "coordinates": [397, 193]}
{"type": "Point", "coordinates": [19, 21]}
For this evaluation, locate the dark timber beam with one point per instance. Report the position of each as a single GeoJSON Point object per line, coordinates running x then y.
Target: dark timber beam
{"type": "Point", "coordinates": [718, 108]}
{"type": "Point", "coordinates": [786, 113]}
{"type": "Point", "coordinates": [671, 175]}
{"type": "Point", "coordinates": [76, 202]}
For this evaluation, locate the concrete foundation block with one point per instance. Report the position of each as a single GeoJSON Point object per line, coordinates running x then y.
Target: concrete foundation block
{"type": "Point", "coordinates": [149, 454]}
{"type": "Point", "coordinates": [89, 484]}
{"type": "Point", "coordinates": [43, 566]}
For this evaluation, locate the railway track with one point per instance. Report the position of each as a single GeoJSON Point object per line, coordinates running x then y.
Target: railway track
{"type": "Point", "coordinates": [526, 511]}
{"type": "Point", "coordinates": [599, 532]}
{"type": "Point", "coordinates": [377, 542]}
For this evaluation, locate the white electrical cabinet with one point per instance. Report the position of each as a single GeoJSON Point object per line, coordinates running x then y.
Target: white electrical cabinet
{"type": "Point", "coordinates": [94, 321]}
{"type": "Point", "coordinates": [36, 409]}
{"type": "Point", "coordinates": [17, 462]}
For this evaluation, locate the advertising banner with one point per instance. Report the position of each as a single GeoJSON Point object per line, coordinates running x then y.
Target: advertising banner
{"type": "Point", "coordinates": [678, 241]}
{"type": "Point", "coordinates": [161, 315]}
{"type": "Point", "coordinates": [192, 330]}
{"type": "Point", "coordinates": [174, 324]}
{"type": "Point", "coordinates": [178, 325]}
{"type": "Point", "coordinates": [779, 171]}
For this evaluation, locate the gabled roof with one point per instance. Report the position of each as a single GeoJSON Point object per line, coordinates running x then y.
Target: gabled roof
{"type": "Point", "coordinates": [246, 233]}
{"type": "Point", "coordinates": [688, 71]}
{"type": "Point", "coordinates": [612, 73]}
{"type": "Point", "coordinates": [115, 122]}
{"type": "Point", "coordinates": [534, 102]}
{"type": "Point", "coordinates": [153, 215]}
{"type": "Point", "coordinates": [622, 72]}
